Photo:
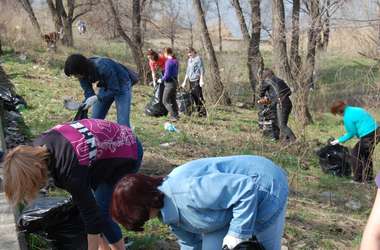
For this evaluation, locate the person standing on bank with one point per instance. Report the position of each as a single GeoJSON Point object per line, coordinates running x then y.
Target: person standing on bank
{"type": "Point", "coordinates": [195, 73]}
{"type": "Point", "coordinates": [156, 65]}
{"type": "Point", "coordinates": [113, 79]}
{"type": "Point", "coordinates": [86, 158]}
{"type": "Point", "coordinates": [278, 92]}
{"type": "Point", "coordinates": [358, 122]}
{"type": "Point", "coordinates": [209, 203]}
{"type": "Point", "coordinates": [170, 80]}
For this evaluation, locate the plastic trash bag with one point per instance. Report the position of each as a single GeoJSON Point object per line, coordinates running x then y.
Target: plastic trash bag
{"type": "Point", "coordinates": [57, 220]}
{"type": "Point", "coordinates": [12, 102]}
{"type": "Point", "coordinates": [335, 160]}
{"type": "Point", "coordinates": [268, 121]}
{"type": "Point", "coordinates": [184, 102]}
{"type": "Point", "coordinates": [252, 244]}
{"type": "Point", "coordinates": [155, 107]}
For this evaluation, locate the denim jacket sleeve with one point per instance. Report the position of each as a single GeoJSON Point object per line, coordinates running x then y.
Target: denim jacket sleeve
{"type": "Point", "coordinates": [228, 191]}
{"type": "Point", "coordinates": [109, 75]}
{"type": "Point", "coordinates": [187, 240]}
{"type": "Point", "coordinates": [87, 88]}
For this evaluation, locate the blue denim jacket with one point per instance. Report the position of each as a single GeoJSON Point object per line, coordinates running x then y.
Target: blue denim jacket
{"type": "Point", "coordinates": [110, 74]}
{"type": "Point", "coordinates": [238, 195]}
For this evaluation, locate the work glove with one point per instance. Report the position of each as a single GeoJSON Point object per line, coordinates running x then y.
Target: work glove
{"type": "Point", "coordinates": [159, 81]}
{"type": "Point", "coordinates": [334, 142]}
{"type": "Point", "coordinates": [90, 101]}
{"type": "Point", "coordinates": [183, 84]}
{"type": "Point", "coordinates": [201, 83]}
{"type": "Point", "coordinates": [230, 241]}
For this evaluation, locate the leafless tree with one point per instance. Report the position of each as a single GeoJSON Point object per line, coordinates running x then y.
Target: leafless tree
{"type": "Point", "coordinates": [134, 40]}
{"type": "Point", "coordinates": [218, 13]}
{"type": "Point", "coordinates": [255, 61]}
{"type": "Point", "coordinates": [65, 15]}
{"type": "Point", "coordinates": [26, 5]}
{"type": "Point", "coordinates": [170, 19]}
{"type": "Point", "coordinates": [215, 86]}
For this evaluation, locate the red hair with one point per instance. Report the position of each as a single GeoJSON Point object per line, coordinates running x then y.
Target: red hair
{"type": "Point", "coordinates": [338, 107]}
{"type": "Point", "coordinates": [132, 199]}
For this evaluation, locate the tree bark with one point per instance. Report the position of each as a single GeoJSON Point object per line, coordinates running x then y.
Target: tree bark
{"type": "Point", "coordinates": [54, 14]}
{"type": "Point", "coordinates": [1, 47]}
{"type": "Point", "coordinates": [242, 23]}
{"type": "Point", "coordinates": [255, 60]}
{"type": "Point", "coordinates": [280, 57]}
{"type": "Point", "coordinates": [219, 25]}
{"type": "Point", "coordinates": [295, 59]}
{"type": "Point", "coordinates": [134, 42]}
{"type": "Point", "coordinates": [32, 17]}
{"type": "Point", "coordinates": [215, 86]}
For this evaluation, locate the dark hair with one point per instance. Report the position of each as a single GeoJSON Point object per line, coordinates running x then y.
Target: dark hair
{"type": "Point", "coordinates": [133, 197]}
{"type": "Point", "coordinates": [267, 73]}
{"type": "Point", "coordinates": [77, 64]}
{"type": "Point", "coordinates": [168, 51]}
{"type": "Point", "coordinates": [191, 49]}
{"type": "Point", "coordinates": [153, 54]}
{"type": "Point", "coordinates": [338, 107]}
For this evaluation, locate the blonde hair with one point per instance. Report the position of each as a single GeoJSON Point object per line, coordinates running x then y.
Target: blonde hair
{"type": "Point", "coordinates": [25, 172]}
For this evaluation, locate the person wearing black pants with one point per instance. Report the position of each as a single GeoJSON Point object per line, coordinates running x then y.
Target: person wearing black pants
{"type": "Point", "coordinates": [278, 92]}
{"type": "Point", "coordinates": [194, 73]}
{"type": "Point", "coordinates": [170, 80]}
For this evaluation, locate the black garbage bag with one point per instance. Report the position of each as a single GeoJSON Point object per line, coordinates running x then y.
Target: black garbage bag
{"type": "Point", "coordinates": [81, 113]}
{"type": "Point", "coordinates": [268, 121]}
{"type": "Point", "coordinates": [57, 220]}
{"type": "Point", "coordinates": [252, 244]}
{"type": "Point", "coordinates": [12, 101]}
{"type": "Point", "coordinates": [155, 107]}
{"type": "Point", "coordinates": [184, 102]}
{"type": "Point", "coordinates": [335, 160]}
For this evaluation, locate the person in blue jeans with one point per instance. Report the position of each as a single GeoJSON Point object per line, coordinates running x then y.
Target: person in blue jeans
{"type": "Point", "coordinates": [113, 79]}
{"type": "Point", "coordinates": [209, 203]}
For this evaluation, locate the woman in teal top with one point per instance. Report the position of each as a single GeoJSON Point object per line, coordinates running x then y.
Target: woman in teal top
{"type": "Point", "coordinates": [359, 123]}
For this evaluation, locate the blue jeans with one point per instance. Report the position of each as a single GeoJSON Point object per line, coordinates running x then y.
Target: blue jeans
{"type": "Point", "coordinates": [122, 100]}
{"type": "Point", "coordinates": [103, 197]}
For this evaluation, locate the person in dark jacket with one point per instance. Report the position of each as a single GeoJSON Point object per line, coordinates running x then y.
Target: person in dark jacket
{"type": "Point", "coordinates": [86, 158]}
{"type": "Point", "coordinates": [278, 92]}
{"type": "Point", "coordinates": [113, 79]}
{"type": "Point", "coordinates": [170, 80]}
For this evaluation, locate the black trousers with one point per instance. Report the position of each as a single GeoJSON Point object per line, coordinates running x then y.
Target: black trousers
{"type": "Point", "coordinates": [169, 98]}
{"type": "Point", "coordinates": [362, 164]}
{"type": "Point", "coordinates": [197, 95]}
{"type": "Point", "coordinates": [284, 108]}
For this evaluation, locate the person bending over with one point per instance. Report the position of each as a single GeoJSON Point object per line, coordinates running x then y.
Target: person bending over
{"type": "Point", "coordinates": [113, 79]}
{"type": "Point", "coordinates": [156, 65]}
{"type": "Point", "coordinates": [358, 122]}
{"type": "Point", "coordinates": [278, 92]}
{"type": "Point", "coordinates": [170, 80]}
{"type": "Point", "coordinates": [86, 158]}
{"type": "Point", "coordinates": [209, 203]}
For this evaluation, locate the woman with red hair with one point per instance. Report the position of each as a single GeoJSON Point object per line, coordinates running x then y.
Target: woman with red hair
{"type": "Point", "coordinates": [209, 203]}
{"type": "Point", "coordinates": [359, 123]}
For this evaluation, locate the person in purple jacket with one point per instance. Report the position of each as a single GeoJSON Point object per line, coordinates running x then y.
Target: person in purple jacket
{"type": "Point", "coordinates": [86, 158]}
{"type": "Point", "coordinates": [170, 80]}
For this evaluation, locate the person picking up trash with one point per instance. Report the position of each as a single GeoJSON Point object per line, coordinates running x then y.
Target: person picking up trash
{"type": "Point", "coordinates": [156, 65]}
{"type": "Point", "coordinates": [358, 123]}
{"type": "Point", "coordinates": [86, 158]}
{"type": "Point", "coordinates": [113, 79]}
{"type": "Point", "coordinates": [170, 80]}
{"type": "Point", "coordinates": [210, 203]}
{"type": "Point", "coordinates": [195, 75]}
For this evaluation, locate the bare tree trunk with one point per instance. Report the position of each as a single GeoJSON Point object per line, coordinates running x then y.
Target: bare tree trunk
{"type": "Point", "coordinates": [242, 23]}
{"type": "Point", "coordinates": [295, 60]}
{"type": "Point", "coordinates": [54, 13]}
{"type": "Point", "coordinates": [280, 57]}
{"type": "Point", "coordinates": [219, 94]}
{"type": "Point", "coordinates": [191, 36]}
{"type": "Point", "coordinates": [32, 17]}
{"type": "Point", "coordinates": [219, 25]}
{"type": "Point", "coordinates": [134, 42]}
{"type": "Point", "coordinates": [1, 47]}
{"type": "Point", "coordinates": [255, 60]}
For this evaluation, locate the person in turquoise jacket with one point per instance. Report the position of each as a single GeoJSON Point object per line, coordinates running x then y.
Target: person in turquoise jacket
{"type": "Point", "coordinates": [209, 203]}
{"type": "Point", "coordinates": [358, 123]}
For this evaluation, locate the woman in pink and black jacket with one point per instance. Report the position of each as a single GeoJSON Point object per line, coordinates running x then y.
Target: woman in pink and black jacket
{"type": "Point", "coordinates": [86, 158]}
